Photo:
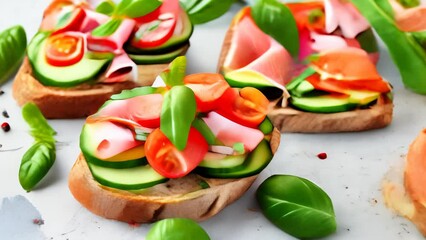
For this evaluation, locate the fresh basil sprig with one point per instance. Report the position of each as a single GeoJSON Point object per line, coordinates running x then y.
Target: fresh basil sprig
{"type": "Point", "coordinates": [39, 158]}
{"type": "Point", "coordinates": [13, 42]}
{"type": "Point", "coordinates": [297, 206]}
{"type": "Point", "coordinates": [177, 114]}
{"type": "Point", "coordinates": [106, 7]}
{"type": "Point", "coordinates": [407, 53]}
{"type": "Point", "coordinates": [276, 20]}
{"type": "Point", "coordinates": [202, 11]}
{"type": "Point", "coordinates": [107, 28]}
{"type": "Point", "coordinates": [175, 73]}
{"type": "Point", "coordinates": [176, 229]}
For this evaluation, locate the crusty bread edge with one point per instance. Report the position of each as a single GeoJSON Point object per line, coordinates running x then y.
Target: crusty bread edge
{"type": "Point", "coordinates": [74, 102]}
{"type": "Point", "coordinates": [289, 119]}
{"type": "Point", "coordinates": [153, 205]}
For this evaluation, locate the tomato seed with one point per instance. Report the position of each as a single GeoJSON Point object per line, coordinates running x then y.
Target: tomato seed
{"type": "Point", "coordinates": [5, 126]}
{"type": "Point", "coordinates": [322, 155]}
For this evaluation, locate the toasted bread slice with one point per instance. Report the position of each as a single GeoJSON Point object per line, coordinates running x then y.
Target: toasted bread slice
{"type": "Point", "coordinates": [75, 102]}
{"type": "Point", "coordinates": [182, 197]}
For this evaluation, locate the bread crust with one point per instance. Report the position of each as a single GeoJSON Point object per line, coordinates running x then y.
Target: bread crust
{"type": "Point", "coordinates": [75, 102]}
{"type": "Point", "coordinates": [288, 119]}
{"type": "Point", "coordinates": [181, 197]}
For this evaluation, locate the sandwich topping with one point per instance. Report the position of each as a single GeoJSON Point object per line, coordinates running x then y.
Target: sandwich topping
{"type": "Point", "coordinates": [77, 43]}
{"type": "Point", "coordinates": [193, 124]}
{"type": "Point", "coordinates": [333, 69]}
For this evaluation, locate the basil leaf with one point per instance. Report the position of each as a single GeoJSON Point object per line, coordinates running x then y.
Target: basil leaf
{"type": "Point", "coordinates": [407, 54]}
{"type": "Point", "coordinates": [204, 129]}
{"type": "Point", "coordinates": [35, 164]}
{"type": "Point", "coordinates": [276, 20]}
{"type": "Point", "coordinates": [136, 8]}
{"type": "Point", "coordinates": [13, 42]}
{"type": "Point", "coordinates": [108, 28]}
{"type": "Point", "coordinates": [297, 206]}
{"type": "Point", "coordinates": [175, 73]}
{"type": "Point", "coordinates": [176, 229]}
{"type": "Point", "coordinates": [206, 10]}
{"type": "Point", "coordinates": [177, 115]}
{"type": "Point", "coordinates": [409, 3]}
{"type": "Point", "coordinates": [420, 37]}
{"type": "Point", "coordinates": [106, 7]}
{"type": "Point", "coordinates": [40, 129]}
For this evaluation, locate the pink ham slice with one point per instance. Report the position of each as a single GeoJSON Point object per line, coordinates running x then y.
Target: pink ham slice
{"type": "Point", "coordinates": [343, 14]}
{"type": "Point", "coordinates": [111, 139]}
{"type": "Point", "coordinates": [114, 42]}
{"type": "Point", "coordinates": [144, 110]}
{"type": "Point", "coordinates": [92, 20]}
{"type": "Point", "coordinates": [251, 49]}
{"type": "Point", "coordinates": [121, 69]}
{"type": "Point", "coordinates": [229, 132]}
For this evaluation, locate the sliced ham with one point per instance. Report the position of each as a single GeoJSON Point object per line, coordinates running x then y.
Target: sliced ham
{"type": "Point", "coordinates": [121, 69]}
{"type": "Point", "coordinates": [229, 132]}
{"type": "Point", "coordinates": [93, 19]}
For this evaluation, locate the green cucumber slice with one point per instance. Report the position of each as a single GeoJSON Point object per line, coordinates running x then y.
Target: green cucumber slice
{"type": "Point", "coordinates": [255, 162]}
{"type": "Point", "coordinates": [266, 126]}
{"type": "Point", "coordinates": [85, 70]}
{"type": "Point", "coordinates": [88, 148]}
{"type": "Point", "coordinates": [323, 104]}
{"type": "Point", "coordinates": [159, 58]}
{"type": "Point", "coordinates": [217, 160]}
{"type": "Point", "coordinates": [126, 179]}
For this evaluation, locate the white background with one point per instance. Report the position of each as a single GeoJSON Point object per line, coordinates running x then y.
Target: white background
{"type": "Point", "coordinates": [351, 174]}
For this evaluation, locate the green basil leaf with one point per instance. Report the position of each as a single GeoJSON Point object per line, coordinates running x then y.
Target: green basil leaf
{"type": "Point", "coordinates": [420, 37]}
{"type": "Point", "coordinates": [13, 42]}
{"type": "Point", "coordinates": [136, 8]}
{"type": "Point", "coordinates": [106, 7]}
{"type": "Point", "coordinates": [206, 10]}
{"type": "Point", "coordinates": [297, 206]}
{"type": "Point", "coordinates": [177, 115]}
{"type": "Point", "coordinates": [176, 229]}
{"type": "Point", "coordinates": [202, 127]}
{"type": "Point", "coordinates": [276, 20]}
{"type": "Point", "coordinates": [108, 28]}
{"type": "Point", "coordinates": [35, 164]}
{"type": "Point", "coordinates": [40, 129]}
{"type": "Point", "coordinates": [368, 41]}
{"type": "Point", "coordinates": [407, 54]}
{"type": "Point", "coordinates": [409, 3]}
{"type": "Point", "coordinates": [175, 73]}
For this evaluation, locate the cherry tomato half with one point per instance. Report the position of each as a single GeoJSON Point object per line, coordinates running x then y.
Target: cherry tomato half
{"type": "Point", "coordinates": [208, 88]}
{"type": "Point", "coordinates": [167, 160]}
{"type": "Point", "coordinates": [64, 49]}
{"type": "Point", "coordinates": [63, 15]}
{"type": "Point", "coordinates": [248, 106]}
{"type": "Point", "coordinates": [157, 27]}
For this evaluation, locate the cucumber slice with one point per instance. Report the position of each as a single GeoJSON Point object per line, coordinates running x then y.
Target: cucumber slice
{"type": "Point", "coordinates": [266, 126]}
{"type": "Point", "coordinates": [177, 41]}
{"type": "Point", "coordinates": [217, 160]}
{"type": "Point", "coordinates": [159, 58]}
{"type": "Point", "coordinates": [255, 162]}
{"type": "Point", "coordinates": [88, 149]}
{"type": "Point", "coordinates": [323, 104]}
{"type": "Point", "coordinates": [126, 179]}
{"type": "Point", "coordinates": [85, 70]}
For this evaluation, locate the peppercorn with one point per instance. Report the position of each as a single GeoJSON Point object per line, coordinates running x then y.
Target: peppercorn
{"type": "Point", "coordinates": [322, 155]}
{"type": "Point", "coordinates": [5, 114]}
{"type": "Point", "coordinates": [5, 126]}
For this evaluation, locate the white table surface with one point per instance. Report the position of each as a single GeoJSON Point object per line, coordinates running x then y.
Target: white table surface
{"type": "Point", "coordinates": [351, 174]}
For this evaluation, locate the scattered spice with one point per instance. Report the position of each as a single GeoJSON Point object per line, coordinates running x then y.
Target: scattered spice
{"type": "Point", "coordinates": [1, 92]}
{"type": "Point", "coordinates": [38, 221]}
{"type": "Point", "coordinates": [322, 155]}
{"type": "Point", "coordinates": [5, 126]}
{"type": "Point", "coordinates": [133, 224]}
{"type": "Point", "coordinates": [5, 114]}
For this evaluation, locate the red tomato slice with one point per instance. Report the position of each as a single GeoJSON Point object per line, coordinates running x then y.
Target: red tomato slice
{"type": "Point", "coordinates": [302, 12]}
{"type": "Point", "coordinates": [157, 27]}
{"type": "Point", "coordinates": [64, 49]}
{"type": "Point", "coordinates": [341, 86]}
{"type": "Point", "coordinates": [167, 160]}
{"type": "Point", "coordinates": [208, 88]}
{"type": "Point", "coordinates": [247, 106]}
{"type": "Point", "coordinates": [71, 14]}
